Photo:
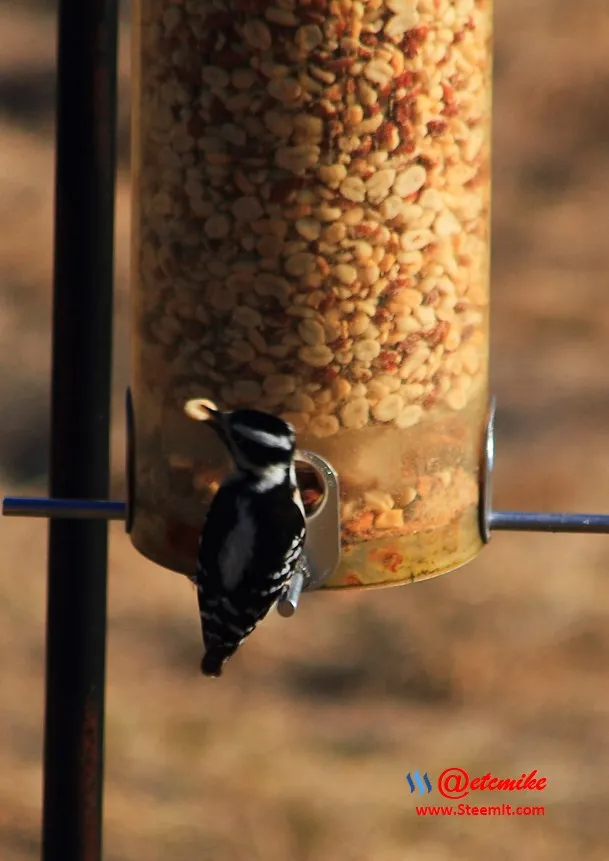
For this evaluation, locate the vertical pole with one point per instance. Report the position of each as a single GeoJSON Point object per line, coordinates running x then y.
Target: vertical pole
{"type": "Point", "coordinates": [80, 417]}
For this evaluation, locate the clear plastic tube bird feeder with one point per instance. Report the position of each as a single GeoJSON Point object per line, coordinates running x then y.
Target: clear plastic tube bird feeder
{"type": "Point", "coordinates": [311, 238]}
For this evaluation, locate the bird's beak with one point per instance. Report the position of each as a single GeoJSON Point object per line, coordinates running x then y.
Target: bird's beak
{"type": "Point", "coordinates": [202, 410]}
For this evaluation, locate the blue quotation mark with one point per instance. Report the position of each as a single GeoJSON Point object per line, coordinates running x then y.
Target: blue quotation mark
{"type": "Point", "coordinates": [416, 782]}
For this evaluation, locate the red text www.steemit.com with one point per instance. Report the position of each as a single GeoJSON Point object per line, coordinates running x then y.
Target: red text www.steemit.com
{"type": "Point", "coordinates": [477, 810]}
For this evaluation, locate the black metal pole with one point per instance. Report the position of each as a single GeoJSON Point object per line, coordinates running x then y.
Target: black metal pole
{"type": "Point", "coordinates": [80, 418]}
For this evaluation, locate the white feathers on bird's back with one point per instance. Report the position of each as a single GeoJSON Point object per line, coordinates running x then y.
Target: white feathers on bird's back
{"type": "Point", "coordinates": [271, 477]}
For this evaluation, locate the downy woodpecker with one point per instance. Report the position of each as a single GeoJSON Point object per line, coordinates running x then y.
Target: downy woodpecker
{"type": "Point", "coordinates": [254, 532]}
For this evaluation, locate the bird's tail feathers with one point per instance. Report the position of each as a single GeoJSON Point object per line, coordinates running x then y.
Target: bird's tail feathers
{"type": "Point", "coordinates": [216, 655]}
{"type": "Point", "coordinates": [212, 663]}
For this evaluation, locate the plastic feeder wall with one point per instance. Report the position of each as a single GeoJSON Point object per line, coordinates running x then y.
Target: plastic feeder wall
{"type": "Point", "coordinates": [311, 238]}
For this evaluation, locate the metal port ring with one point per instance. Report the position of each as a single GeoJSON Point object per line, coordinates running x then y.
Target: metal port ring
{"type": "Point", "coordinates": [321, 553]}
{"type": "Point", "coordinates": [322, 547]}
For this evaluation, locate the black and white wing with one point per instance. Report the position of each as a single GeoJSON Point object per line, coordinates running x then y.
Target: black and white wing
{"type": "Point", "coordinates": [248, 550]}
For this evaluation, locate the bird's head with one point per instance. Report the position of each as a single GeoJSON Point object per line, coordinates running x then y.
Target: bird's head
{"type": "Point", "coordinates": [257, 441]}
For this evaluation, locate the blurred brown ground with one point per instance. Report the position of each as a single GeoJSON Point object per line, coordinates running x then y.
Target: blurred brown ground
{"type": "Point", "coordinates": [301, 752]}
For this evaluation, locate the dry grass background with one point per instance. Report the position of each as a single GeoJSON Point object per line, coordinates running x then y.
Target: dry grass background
{"type": "Point", "coordinates": [300, 753]}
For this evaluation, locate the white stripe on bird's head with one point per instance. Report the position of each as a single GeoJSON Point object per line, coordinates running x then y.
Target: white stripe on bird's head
{"type": "Point", "coordinates": [270, 440]}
